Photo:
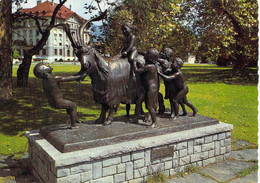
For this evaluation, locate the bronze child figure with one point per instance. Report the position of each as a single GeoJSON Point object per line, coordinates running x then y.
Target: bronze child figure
{"type": "Point", "coordinates": [53, 92]}
{"type": "Point", "coordinates": [182, 90]}
{"type": "Point", "coordinates": [149, 79]}
{"type": "Point", "coordinates": [129, 48]}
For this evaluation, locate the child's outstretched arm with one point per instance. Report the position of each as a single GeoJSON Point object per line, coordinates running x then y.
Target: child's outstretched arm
{"type": "Point", "coordinates": [168, 78]}
{"type": "Point", "coordinates": [70, 78]}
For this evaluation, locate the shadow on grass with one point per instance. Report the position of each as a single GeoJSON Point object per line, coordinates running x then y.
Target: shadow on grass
{"type": "Point", "coordinates": [227, 76]}
{"type": "Point", "coordinates": [29, 108]}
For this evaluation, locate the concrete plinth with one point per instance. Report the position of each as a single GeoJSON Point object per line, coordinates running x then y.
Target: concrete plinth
{"type": "Point", "coordinates": [123, 154]}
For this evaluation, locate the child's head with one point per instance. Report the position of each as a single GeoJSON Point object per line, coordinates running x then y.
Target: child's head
{"type": "Point", "coordinates": [126, 28]}
{"type": "Point", "coordinates": [175, 66]}
{"type": "Point", "coordinates": [179, 62]}
{"type": "Point", "coordinates": [166, 53]}
{"type": "Point", "coordinates": [152, 56]}
{"type": "Point", "coordinates": [41, 70]}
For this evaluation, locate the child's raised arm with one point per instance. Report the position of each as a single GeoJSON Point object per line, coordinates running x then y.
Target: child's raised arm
{"type": "Point", "coordinates": [142, 69]}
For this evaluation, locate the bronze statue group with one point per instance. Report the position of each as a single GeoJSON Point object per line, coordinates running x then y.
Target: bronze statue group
{"type": "Point", "coordinates": [147, 83]}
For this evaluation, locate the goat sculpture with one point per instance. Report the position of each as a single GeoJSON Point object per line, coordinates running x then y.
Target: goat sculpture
{"type": "Point", "coordinates": [113, 81]}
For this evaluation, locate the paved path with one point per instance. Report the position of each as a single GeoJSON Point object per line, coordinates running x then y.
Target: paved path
{"type": "Point", "coordinates": [226, 171]}
{"type": "Point", "coordinates": [17, 171]}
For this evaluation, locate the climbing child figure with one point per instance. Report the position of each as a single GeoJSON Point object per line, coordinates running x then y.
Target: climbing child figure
{"type": "Point", "coordinates": [181, 88]}
{"type": "Point", "coordinates": [149, 80]}
{"type": "Point", "coordinates": [53, 92]}
{"type": "Point", "coordinates": [129, 48]}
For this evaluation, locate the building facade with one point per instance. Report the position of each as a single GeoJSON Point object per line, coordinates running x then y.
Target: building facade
{"type": "Point", "coordinates": [58, 46]}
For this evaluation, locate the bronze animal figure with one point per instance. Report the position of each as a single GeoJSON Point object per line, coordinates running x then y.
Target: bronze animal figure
{"type": "Point", "coordinates": [113, 81]}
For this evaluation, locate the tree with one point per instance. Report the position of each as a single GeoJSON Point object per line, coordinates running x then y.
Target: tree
{"type": "Point", "coordinates": [5, 50]}
{"type": "Point", "coordinates": [227, 30]}
{"type": "Point", "coordinates": [155, 25]}
{"type": "Point", "coordinates": [24, 67]}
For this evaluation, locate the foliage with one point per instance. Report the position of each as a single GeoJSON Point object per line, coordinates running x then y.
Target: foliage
{"type": "Point", "coordinates": [226, 29]}
{"type": "Point", "coordinates": [154, 25]}
{"type": "Point", "coordinates": [16, 54]}
{"type": "Point", "coordinates": [156, 178]}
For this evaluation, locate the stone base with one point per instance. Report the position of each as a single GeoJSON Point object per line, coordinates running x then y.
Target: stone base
{"type": "Point", "coordinates": [132, 160]}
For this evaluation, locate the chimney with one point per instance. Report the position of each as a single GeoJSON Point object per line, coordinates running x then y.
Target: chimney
{"type": "Point", "coordinates": [70, 7]}
{"type": "Point", "coordinates": [39, 2]}
{"type": "Point", "coordinates": [52, 2]}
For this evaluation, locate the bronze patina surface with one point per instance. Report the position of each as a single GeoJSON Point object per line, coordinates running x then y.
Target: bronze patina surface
{"type": "Point", "coordinates": [90, 135]}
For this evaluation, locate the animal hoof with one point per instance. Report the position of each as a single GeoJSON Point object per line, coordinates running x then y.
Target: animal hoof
{"type": "Point", "coordinates": [195, 112]}
{"type": "Point", "coordinates": [106, 123]}
{"type": "Point", "coordinates": [73, 127]}
{"type": "Point", "coordinates": [154, 125]}
{"type": "Point", "coordinates": [174, 117]}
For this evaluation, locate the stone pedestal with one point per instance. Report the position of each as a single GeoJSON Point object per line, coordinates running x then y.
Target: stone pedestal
{"type": "Point", "coordinates": [125, 152]}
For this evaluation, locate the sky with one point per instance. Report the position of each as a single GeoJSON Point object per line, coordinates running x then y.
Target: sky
{"type": "Point", "coordinates": [76, 6]}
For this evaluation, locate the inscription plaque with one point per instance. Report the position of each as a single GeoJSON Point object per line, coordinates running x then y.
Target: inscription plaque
{"type": "Point", "coordinates": [160, 153]}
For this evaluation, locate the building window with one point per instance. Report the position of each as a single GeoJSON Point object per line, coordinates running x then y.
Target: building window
{"type": "Point", "coordinates": [55, 52]}
{"type": "Point", "coordinates": [60, 52]}
{"type": "Point", "coordinates": [68, 53]}
{"type": "Point", "coordinates": [44, 52]}
{"type": "Point", "coordinates": [60, 35]}
{"type": "Point", "coordinates": [60, 44]}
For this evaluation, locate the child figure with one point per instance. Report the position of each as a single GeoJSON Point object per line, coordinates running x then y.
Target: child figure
{"type": "Point", "coordinates": [149, 80]}
{"type": "Point", "coordinates": [182, 90]}
{"type": "Point", "coordinates": [129, 48]}
{"type": "Point", "coordinates": [53, 92]}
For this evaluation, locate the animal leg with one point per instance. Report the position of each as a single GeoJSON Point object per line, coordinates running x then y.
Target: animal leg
{"type": "Point", "coordinates": [127, 107]}
{"type": "Point", "coordinates": [161, 103]}
{"type": "Point", "coordinates": [138, 107]}
{"type": "Point", "coordinates": [102, 116]}
{"type": "Point", "coordinates": [109, 117]}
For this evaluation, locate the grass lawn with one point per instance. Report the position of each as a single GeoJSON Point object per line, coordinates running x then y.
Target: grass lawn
{"type": "Point", "coordinates": [216, 92]}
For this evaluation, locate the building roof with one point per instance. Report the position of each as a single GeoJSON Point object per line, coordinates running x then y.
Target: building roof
{"type": "Point", "coordinates": [46, 9]}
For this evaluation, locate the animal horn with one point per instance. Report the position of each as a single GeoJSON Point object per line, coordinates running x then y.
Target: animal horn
{"type": "Point", "coordinates": [80, 31]}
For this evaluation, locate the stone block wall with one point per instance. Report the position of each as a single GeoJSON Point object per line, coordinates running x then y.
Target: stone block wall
{"type": "Point", "coordinates": [132, 162]}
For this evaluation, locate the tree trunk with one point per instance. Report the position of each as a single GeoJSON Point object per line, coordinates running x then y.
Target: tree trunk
{"type": "Point", "coordinates": [5, 50]}
{"type": "Point", "coordinates": [24, 67]}
{"type": "Point", "coordinates": [23, 70]}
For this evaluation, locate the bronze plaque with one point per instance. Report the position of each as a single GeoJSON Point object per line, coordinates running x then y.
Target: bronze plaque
{"type": "Point", "coordinates": [164, 152]}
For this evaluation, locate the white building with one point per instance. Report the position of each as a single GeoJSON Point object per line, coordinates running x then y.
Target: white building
{"type": "Point", "coordinates": [58, 46]}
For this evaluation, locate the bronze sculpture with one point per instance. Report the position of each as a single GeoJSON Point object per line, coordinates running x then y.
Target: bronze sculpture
{"type": "Point", "coordinates": [53, 92]}
{"type": "Point", "coordinates": [128, 78]}
{"type": "Point", "coordinates": [113, 81]}
{"type": "Point", "coordinates": [149, 83]}
{"type": "Point", "coordinates": [165, 60]}
{"type": "Point", "coordinates": [129, 48]}
{"type": "Point", "coordinates": [181, 90]}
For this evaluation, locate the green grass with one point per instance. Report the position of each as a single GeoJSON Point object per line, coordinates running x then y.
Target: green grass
{"type": "Point", "coordinates": [156, 178]}
{"type": "Point", "coordinates": [247, 171]}
{"type": "Point", "coordinates": [217, 92]}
